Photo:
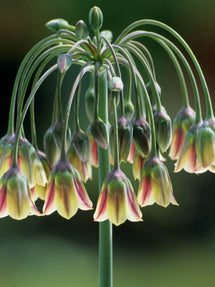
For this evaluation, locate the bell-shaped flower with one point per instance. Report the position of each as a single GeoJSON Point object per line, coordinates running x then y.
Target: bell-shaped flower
{"type": "Point", "coordinates": [117, 200]}
{"type": "Point", "coordinates": [188, 158]}
{"type": "Point", "coordinates": [66, 193]}
{"type": "Point", "coordinates": [155, 185]}
{"type": "Point", "coordinates": [15, 195]}
{"type": "Point", "coordinates": [205, 143]}
{"type": "Point", "coordinates": [142, 136]}
{"type": "Point", "coordinates": [81, 144]}
{"type": "Point", "coordinates": [99, 133]}
{"type": "Point", "coordinates": [28, 161]}
{"type": "Point", "coordinates": [138, 164]}
{"type": "Point", "coordinates": [163, 130]}
{"type": "Point", "coordinates": [182, 122]}
{"type": "Point", "coordinates": [124, 138]}
{"type": "Point", "coordinates": [83, 167]}
{"type": "Point", "coordinates": [52, 142]}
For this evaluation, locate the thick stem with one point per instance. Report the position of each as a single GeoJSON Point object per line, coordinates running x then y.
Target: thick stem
{"type": "Point", "coordinates": [105, 228]}
{"type": "Point", "coordinates": [115, 126]}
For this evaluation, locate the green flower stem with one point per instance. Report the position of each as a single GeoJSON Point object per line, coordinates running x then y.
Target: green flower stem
{"type": "Point", "coordinates": [149, 74]}
{"type": "Point", "coordinates": [58, 91]}
{"type": "Point", "coordinates": [118, 72]}
{"type": "Point", "coordinates": [209, 109]}
{"type": "Point", "coordinates": [30, 68]}
{"type": "Point", "coordinates": [77, 100]}
{"type": "Point", "coordinates": [96, 109]}
{"type": "Point", "coordinates": [83, 71]}
{"type": "Point", "coordinates": [25, 109]}
{"type": "Point", "coordinates": [157, 37]}
{"type": "Point", "coordinates": [115, 125]}
{"type": "Point", "coordinates": [17, 79]}
{"type": "Point", "coordinates": [147, 54]}
{"type": "Point", "coordinates": [105, 228]}
{"type": "Point", "coordinates": [147, 103]}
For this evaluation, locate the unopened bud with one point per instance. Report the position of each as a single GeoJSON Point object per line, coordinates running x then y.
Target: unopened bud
{"type": "Point", "coordinates": [90, 103]}
{"type": "Point", "coordinates": [163, 128]}
{"type": "Point", "coordinates": [81, 30]}
{"type": "Point", "coordinates": [142, 136]}
{"type": "Point", "coordinates": [57, 24]}
{"type": "Point", "coordinates": [95, 18]}
{"type": "Point", "coordinates": [129, 110]}
{"type": "Point", "coordinates": [81, 144]}
{"type": "Point", "coordinates": [116, 84]}
{"type": "Point", "coordinates": [64, 62]}
{"type": "Point", "coordinates": [99, 133]}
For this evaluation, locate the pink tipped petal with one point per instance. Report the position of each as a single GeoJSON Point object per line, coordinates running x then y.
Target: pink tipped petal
{"type": "Point", "coordinates": [83, 198]}
{"type": "Point", "coordinates": [100, 213]}
{"type": "Point", "coordinates": [3, 202]}
{"type": "Point", "coordinates": [133, 211]}
{"type": "Point", "coordinates": [145, 195]}
{"type": "Point", "coordinates": [131, 153]}
{"type": "Point", "coordinates": [49, 206]}
{"type": "Point", "coordinates": [177, 143]}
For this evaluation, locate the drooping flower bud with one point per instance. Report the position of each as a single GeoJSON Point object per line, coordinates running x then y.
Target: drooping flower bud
{"type": "Point", "coordinates": [108, 34]}
{"type": "Point", "coordinates": [15, 198]}
{"type": "Point", "coordinates": [155, 184]}
{"type": "Point", "coordinates": [81, 30]}
{"type": "Point", "coordinates": [124, 138]}
{"type": "Point", "coordinates": [90, 103]}
{"type": "Point", "coordinates": [116, 84]}
{"type": "Point", "coordinates": [81, 144]}
{"type": "Point", "coordinates": [163, 129]}
{"type": "Point", "coordinates": [129, 110]}
{"type": "Point", "coordinates": [99, 133]}
{"type": "Point", "coordinates": [64, 62]}
{"type": "Point", "coordinates": [117, 200]}
{"type": "Point", "coordinates": [57, 24]}
{"type": "Point", "coordinates": [94, 159]}
{"type": "Point", "coordinates": [95, 18]}
{"type": "Point", "coordinates": [83, 167]}
{"type": "Point", "coordinates": [51, 148]}
{"type": "Point", "coordinates": [205, 143]}
{"type": "Point", "coordinates": [66, 193]}
{"type": "Point", "coordinates": [142, 136]}
{"type": "Point", "coordinates": [182, 122]}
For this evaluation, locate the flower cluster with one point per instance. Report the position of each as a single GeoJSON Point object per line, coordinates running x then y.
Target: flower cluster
{"type": "Point", "coordinates": [127, 123]}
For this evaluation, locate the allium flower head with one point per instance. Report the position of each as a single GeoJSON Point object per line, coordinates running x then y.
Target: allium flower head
{"type": "Point", "coordinates": [66, 193]}
{"type": "Point", "coordinates": [15, 198]}
{"type": "Point", "coordinates": [155, 185]}
{"type": "Point", "coordinates": [117, 200]}
{"type": "Point", "coordinates": [183, 121]}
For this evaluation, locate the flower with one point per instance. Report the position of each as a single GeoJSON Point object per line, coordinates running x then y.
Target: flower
{"type": "Point", "coordinates": [83, 167]}
{"type": "Point", "coordinates": [81, 144]}
{"type": "Point", "coordinates": [124, 138]}
{"type": "Point", "coordinates": [65, 192]}
{"type": "Point", "coordinates": [163, 130]}
{"type": "Point", "coordinates": [117, 200]}
{"type": "Point", "coordinates": [28, 161]}
{"type": "Point", "coordinates": [142, 136]}
{"type": "Point", "coordinates": [99, 133]}
{"type": "Point", "coordinates": [188, 158]}
{"type": "Point", "coordinates": [155, 184]}
{"type": "Point", "coordinates": [94, 159]}
{"type": "Point", "coordinates": [131, 153]}
{"type": "Point", "coordinates": [15, 195]}
{"type": "Point", "coordinates": [182, 122]}
{"type": "Point", "coordinates": [205, 143]}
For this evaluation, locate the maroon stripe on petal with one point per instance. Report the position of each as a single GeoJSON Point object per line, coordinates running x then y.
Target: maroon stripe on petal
{"type": "Point", "coordinates": [101, 207]}
{"type": "Point", "coordinates": [3, 202]}
{"type": "Point", "coordinates": [146, 189]}
{"type": "Point", "coordinates": [81, 193]}
{"type": "Point", "coordinates": [50, 198]}
{"type": "Point", "coordinates": [132, 203]}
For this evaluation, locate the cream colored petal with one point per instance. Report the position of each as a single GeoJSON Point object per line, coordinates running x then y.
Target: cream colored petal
{"type": "Point", "coordinates": [101, 208]}
{"type": "Point", "coordinates": [133, 210]}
